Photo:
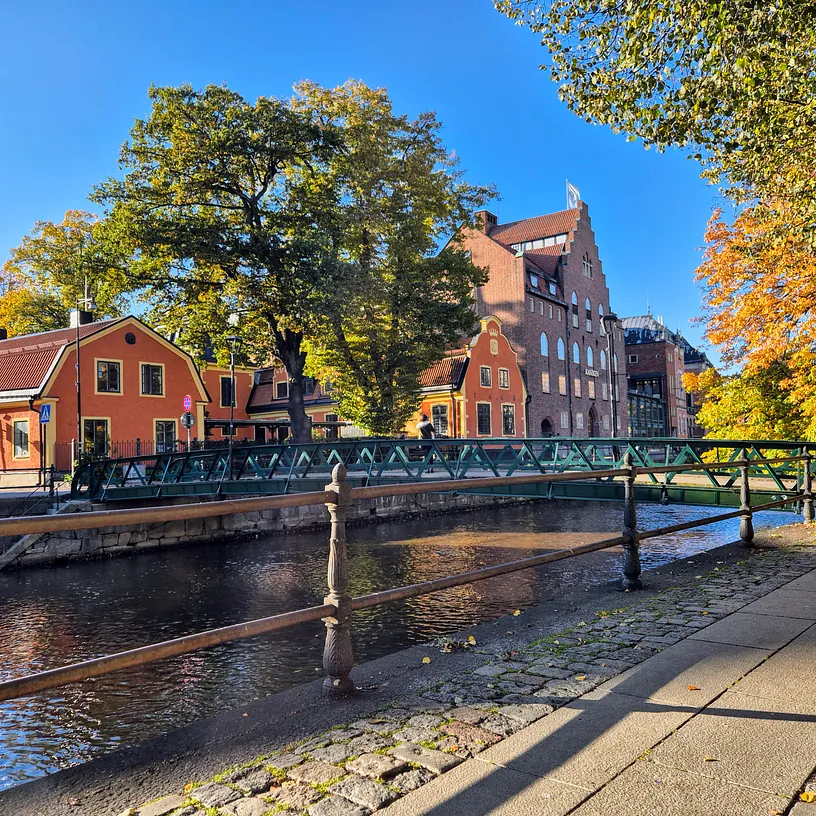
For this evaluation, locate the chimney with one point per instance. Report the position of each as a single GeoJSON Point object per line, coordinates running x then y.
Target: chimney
{"type": "Point", "coordinates": [485, 221]}
{"type": "Point", "coordinates": [80, 317]}
{"type": "Point", "coordinates": [3, 333]}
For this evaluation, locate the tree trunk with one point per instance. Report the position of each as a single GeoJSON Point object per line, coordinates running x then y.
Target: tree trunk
{"type": "Point", "coordinates": [294, 360]}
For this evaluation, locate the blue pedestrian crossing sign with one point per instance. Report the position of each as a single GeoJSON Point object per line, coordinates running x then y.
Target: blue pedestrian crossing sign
{"type": "Point", "coordinates": [45, 413]}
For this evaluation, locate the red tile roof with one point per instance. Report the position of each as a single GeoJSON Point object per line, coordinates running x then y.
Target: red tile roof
{"type": "Point", "coordinates": [447, 372]}
{"type": "Point", "coordinates": [25, 360]}
{"type": "Point", "coordinates": [542, 226]}
{"type": "Point", "coordinates": [544, 259]}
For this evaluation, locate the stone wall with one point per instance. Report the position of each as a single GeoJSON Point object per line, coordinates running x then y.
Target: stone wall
{"type": "Point", "coordinates": [110, 541]}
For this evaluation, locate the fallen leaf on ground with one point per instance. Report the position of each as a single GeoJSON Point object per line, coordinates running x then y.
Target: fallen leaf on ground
{"type": "Point", "coordinates": [710, 759]}
{"type": "Point", "coordinates": [693, 688]}
{"type": "Point", "coordinates": [808, 796]}
{"type": "Point", "coordinates": [517, 613]}
{"type": "Point", "coordinates": [471, 640]}
{"type": "Point", "coordinates": [426, 659]}
{"type": "Point", "coordinates": [705, 613]}
{"type": "Point", "coordinates": [580, 677]}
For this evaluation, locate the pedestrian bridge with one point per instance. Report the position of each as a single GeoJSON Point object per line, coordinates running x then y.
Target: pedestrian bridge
{"type": "Point", "coordinates": [253, 470]}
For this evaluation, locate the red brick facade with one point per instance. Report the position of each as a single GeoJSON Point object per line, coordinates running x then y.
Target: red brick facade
{"type": "Point", "coordinates": [543, 273]}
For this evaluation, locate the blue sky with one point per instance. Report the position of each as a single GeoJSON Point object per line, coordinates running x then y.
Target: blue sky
{"type": "Point", "coordinates": [73, 76]}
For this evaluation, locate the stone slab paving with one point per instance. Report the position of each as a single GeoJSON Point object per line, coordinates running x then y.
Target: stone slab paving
{"type": "Point", "coordinates": [581, 721]}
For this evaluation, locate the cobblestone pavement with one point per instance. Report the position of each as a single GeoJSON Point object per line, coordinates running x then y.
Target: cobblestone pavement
{"type": "Point", "coordinates": [362, 766]}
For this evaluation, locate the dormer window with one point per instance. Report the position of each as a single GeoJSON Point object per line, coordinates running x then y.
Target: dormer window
{"type": "Point", "coordinates": [552, 288]}
{"type": "Point", "coordinates": [534, 280]}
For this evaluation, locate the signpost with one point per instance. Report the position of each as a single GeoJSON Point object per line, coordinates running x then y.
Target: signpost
{"type": "Point", "coordinates": [187, 421]}
{"type": "Point", "coordinates": [45, 418]}
{"type": "Point", "coordinates": [188, 402]}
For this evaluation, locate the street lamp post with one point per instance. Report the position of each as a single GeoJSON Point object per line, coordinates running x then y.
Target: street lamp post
{"type": "Point", "coordinates": [234, 341]}
{"type": "Point", "coordinates": [88, 305]}
{"type": "Point", "coordinates": [610, 321]}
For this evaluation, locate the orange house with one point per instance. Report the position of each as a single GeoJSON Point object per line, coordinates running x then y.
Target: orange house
{"type": "Point", "coordinates": [133, 385]}
{"type": "Point", "coordinates": [476, 391]}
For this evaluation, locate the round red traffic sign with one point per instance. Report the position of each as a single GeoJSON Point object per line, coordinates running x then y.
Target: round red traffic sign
{"type": "Point", "coordinates": [188, 402]}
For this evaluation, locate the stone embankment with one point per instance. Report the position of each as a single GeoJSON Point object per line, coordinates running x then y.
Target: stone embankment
{"type": "Point", "coordinates": [363, 764]}
{"type": "Point", "coordinates": [113, 541]}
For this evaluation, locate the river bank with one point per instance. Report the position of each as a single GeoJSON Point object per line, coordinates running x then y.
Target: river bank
{"type": "Point", "coordinates": [718, 581]}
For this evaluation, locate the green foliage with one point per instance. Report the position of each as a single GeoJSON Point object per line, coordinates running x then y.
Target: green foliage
{"type": "Point", "coordinates": [754, 405]}
{"type": "Point", "coordinates": [224, 196]}
{"type": "Point", "coordinates": [44, 276]}
{"type": "Point", "coordinates": [736, 81]}
{"type": "Point", "coordinates": [400, 301]}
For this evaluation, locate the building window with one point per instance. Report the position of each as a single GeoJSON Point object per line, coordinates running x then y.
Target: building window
{"type": "Point", "coordinates": [574, 310]}
{"type": "Point", "coordinates": [108, 380]}
{"type": "Point", "coordinates": [439, 417]}
{"type": "Point", "coordinates": [308, 386]}
{"type": "Point", "coordinates": [579, 422]}
{"type": "Point", "coordinates": [671, 357]}
{"type": "Point", "coordinates": [545, 382]}
{"type": "Point", "coordinates": [590, 357]}
{"type": "Point", "coordinates": [532, 305]}
{"type": "Point", "coordinates": [562, 384]}
{"type": "Point", "coordinates": [615, 363]}
{"type": "Point", "coordinates": [604, 391]}
{"type": "Point", "coordinates": [559, 315]}
{"type": "Point", "coordinates": [576, 386]}
{"type": "Point", "coordinates": [331, 432]}
{"type": "Point", "coordinates": [588, 307]}
{"type": "Point", "coordinates": [603, 360]}
{"type": "Point", "coordinates": [553, 290]}
{"type": "Point", "coordinates": [282, 390]}
{"type": "Point", "coordinates": [587, 264]}
{"type": "Point", "coordinates": [508, 420]}
{"type": "Point", "coordinates": [485, 377]}
{"type": "Point", "coordinates": [504, 378]}
{"type": "Point", "coordinates": [165, 436]}
{"type": "Point", "coordinates": [328, 387]}
{"type": "Point", "coordinates": [483, 419]}
{"type": "Point", "coordinates": [562, 349]}
{"type": "Point", "coordinates": [606, 422]}
{"type": "Point", "coordinates": [20, 428]}
{"type": "Point", "coordinates": [671, 383]}
{"type": "Point", "coordinates": [541, 307]}
{"type": "Point", "coordinates": [576, 354]}
{"type": "Point", "coordinates": [534, 281]}
{"type": "Point", "coordinates": [550, 311]}
{"type": "Point", "coordinates": [544, 345]}
{"type": "Point", "coordinates": [95, 437]}
{"type": "Point", "coordinates": [591, 388]}
{"type": "Point", "coordinates": [632, 358]}
{"type": "Point", "coordinates": [601, 329]}
{"type": "Point", "coordinates": [152, 379]}
{"type": "Point", "coordinates": [564, 419]}
{"type": "Point", "coordinates": [226, 392]}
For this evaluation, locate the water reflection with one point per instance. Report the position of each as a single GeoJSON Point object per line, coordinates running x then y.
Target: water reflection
{"type": "Point", "coordinates": [60, 615]}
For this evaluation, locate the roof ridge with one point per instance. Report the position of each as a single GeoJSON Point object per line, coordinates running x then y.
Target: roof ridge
{"type": "Point", "coordinates": [533, 217]}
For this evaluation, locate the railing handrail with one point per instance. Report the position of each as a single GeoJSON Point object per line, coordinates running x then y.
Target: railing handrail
{"type": "Point", "coordinates": [116, 518]}
{"type": "Point", "coordinates": [338, 605]}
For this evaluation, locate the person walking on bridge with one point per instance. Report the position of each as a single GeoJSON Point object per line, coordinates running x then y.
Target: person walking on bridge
{"type": "Point", "coordinates": [426, 430]}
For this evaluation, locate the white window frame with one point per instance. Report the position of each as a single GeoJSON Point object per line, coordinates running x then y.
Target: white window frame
{"type": "Point", "coordinates": [504, 378]}
{"type": "Point", "coordinates": [485, 382]}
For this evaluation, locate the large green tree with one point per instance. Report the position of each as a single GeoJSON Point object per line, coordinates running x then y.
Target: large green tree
{"type": "Point", "coordinates": [406, 291]}
{"type": "Point", "coordinates": [223, 195]}
{"type": "Point", "coordinates": [735, 81]}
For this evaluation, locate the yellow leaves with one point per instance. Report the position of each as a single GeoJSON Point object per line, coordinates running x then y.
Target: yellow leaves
{"type": "Point", "coordinates": [471, 640]}
{"type": "Point", "coordinates": [807, 796]}
{"type": "Point", "coordinates": [693, 688]}
{"type": "Point", "coordinates": [516, 613]}
{"type": "Point", "coordinates": [580, 677]}
{"type": "Point", "coordinates": [188, 787]}
{"type": "Point", "coordinates": [710, 759]}
{"type": "Point", "coordinates": [426, 660]}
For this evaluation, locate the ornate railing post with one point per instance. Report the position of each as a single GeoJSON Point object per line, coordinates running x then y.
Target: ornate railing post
{"type": "Point", "coordinates": [746, 528]}
{"type": "Point", "coordinates": [338, 656]}
{"type": "Point", "coordinates": [631, 553]}
{"type": "Point", "coordinates": [807, 489]}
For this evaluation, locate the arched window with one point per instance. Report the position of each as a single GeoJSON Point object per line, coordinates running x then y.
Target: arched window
{"type": "Point", "coordinates": [615, 363]}
{"type": "Point", "coordinates": [589, 357]}
{"type": "Point", "coordinates": [561, 349]}
{"type": "Point", "coordinates": [575, 310]}
{"type": "Point", "coordinates": [588, 306]}
{"type": "Point", "coordinates": [587, 263]}
{"type": "Point", "coordinates": [601, 328]}
{"type": "Point", "coordinates": [603, 360]}
{"type": "Point", "coordinates": [576, 354]}
{"type": "Point", "coordinates": [545, 345]}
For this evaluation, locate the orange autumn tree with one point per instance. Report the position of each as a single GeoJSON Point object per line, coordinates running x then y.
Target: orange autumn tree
{"type": "Point", "coordinates": [759, 275]}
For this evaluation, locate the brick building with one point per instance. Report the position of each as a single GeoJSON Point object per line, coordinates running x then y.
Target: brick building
{"type": "Point", "coordinates": [548, 289]}
{"type": "Point", "coordinates": [695, 362]}
{"type": "Point", "coordinates": [655, 363]}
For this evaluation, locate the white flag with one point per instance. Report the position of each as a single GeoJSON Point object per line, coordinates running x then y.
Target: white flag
{"type": "Point", "coordinates": [573, 196]}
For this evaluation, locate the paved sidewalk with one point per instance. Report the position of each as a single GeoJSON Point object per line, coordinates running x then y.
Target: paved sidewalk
{"type": "Point", "coordinates": [697, 700]}
{"type": "Point", "coordinates": [721, 723]}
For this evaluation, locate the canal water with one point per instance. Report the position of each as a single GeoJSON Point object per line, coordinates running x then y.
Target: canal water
{"type": "Point", "coordinates": [59, 615]}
